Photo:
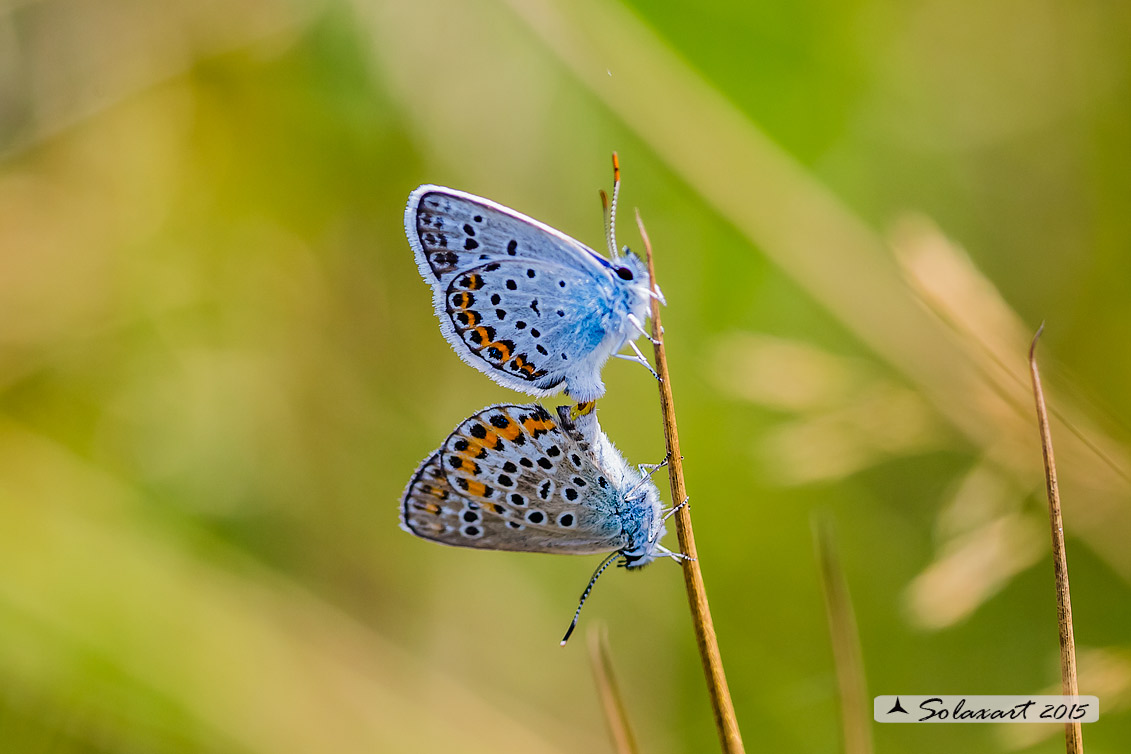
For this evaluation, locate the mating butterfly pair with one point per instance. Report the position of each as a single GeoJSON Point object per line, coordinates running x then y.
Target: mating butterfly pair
{"type": "Point", "coordinates": [536, 311]}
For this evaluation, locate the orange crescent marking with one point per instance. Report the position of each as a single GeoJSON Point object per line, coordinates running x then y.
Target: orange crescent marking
{"type": "Point", "coordinates": [533, 425]}
{"type": "Point", "coordinates": [511, 431]}
{"type": "Point", "coordinates": [502, 349]}
{"type": "Point", "coordinates": [475, 489]}
{"type": "Point", "coordinates": [488, 442]}
{"type": "Point", "coordinates": [426, 507]}
{"type": "Point", "coordinates": [483, 337]}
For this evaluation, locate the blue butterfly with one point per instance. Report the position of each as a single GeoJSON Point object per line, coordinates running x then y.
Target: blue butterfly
{"type": "Point", "coordinates": [527, 305]}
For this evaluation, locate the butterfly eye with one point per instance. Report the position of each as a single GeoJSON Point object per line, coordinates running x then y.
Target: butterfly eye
{"type": "Point", "coordinates": [624, 273]}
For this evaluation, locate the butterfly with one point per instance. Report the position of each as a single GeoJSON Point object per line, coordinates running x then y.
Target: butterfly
{"type": "Point", "coordinates": [534, 309]}
{"type": "Point", "coordinates": [513, 477]}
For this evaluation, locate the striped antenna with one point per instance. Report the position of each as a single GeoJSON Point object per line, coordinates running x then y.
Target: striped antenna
{"type": "Point", "coordinates": [611, 225]}
{"type": "Point", "coordinates": [605, 215]}
{"type": "Point", "coordinates": [585, 595]}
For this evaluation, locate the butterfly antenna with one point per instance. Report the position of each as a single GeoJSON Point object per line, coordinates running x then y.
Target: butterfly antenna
{"type": "Point", "coordinates": [585, 595]}
{"type": "Point", "coordinates": [605, 214]}
{"type": "Point", "coordinates": [611, 225]}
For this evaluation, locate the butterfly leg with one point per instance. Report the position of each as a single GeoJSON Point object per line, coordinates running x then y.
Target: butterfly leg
{"type": "Point", "coordinates": [648, 469]}
{"type": "Point", "coordinates": [669, 514]}
{"type": "Point", "coordinates": [678, 557]}
{"type": "Point", "coordinates": [638, 358]}
{"type": "Point", "coordinates": [640, 327]}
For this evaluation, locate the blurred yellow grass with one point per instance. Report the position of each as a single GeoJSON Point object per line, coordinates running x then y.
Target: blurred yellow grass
{"type": "Point", "coordinates": [252, 661]}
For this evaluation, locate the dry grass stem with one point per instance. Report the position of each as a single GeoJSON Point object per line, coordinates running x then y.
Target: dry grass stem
{"type": "Point", "coordinates": [1073, 735]}
{"type": "Point", "coordinates": [856, 717]}
{"type": "Point", "coordinates": [612, 702]}
{"type": "Point", "coordinates": [721, 704]}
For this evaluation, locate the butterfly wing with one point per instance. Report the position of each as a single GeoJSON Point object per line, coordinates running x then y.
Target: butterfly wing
{"type": "Point", "coordinates": [524, 303]}
{"type": "Point", "coordinates": [535, 324]}
{"type": "Point", "coordinates": [452, 231]}
{"type": "Point", "coordinates": [510, 478]}
{"type": "Point", "coordinates": [430, 508]}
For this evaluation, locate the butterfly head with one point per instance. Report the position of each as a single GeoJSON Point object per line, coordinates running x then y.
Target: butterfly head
{"type": "Point", "coordinates": [631, 268]}
{"type": "Point", "coordinates": [643, 553]}
{"type": "Point", "coordinates": [631, 272]}
{"type": "Point", "coordinates": [647, 529]}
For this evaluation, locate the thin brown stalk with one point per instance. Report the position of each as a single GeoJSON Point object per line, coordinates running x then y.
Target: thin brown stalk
{"type": "Point", "coordinates": [723, 708]}
{"type": "Point", "coordinates": [1073, 735]}
{"type": "Point", "coordinates": [856, 719]}
{"type": "Point", "coordinates": [612, 702]}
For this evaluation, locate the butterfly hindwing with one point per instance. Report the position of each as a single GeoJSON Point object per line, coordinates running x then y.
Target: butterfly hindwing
{"type": "Point", "coordinates": [431, 508]}
{"type": "Point", "coordinates": [521, 317]}
{"type": "Point", "coordinates": [511, 477]}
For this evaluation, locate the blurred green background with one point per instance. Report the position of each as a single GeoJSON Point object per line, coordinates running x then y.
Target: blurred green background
{"type": "Point", "coordinates": [219, 365]}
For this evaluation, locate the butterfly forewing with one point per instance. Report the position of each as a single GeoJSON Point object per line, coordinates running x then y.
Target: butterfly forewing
{"type": "Point", "coordinates": [454, 231]}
